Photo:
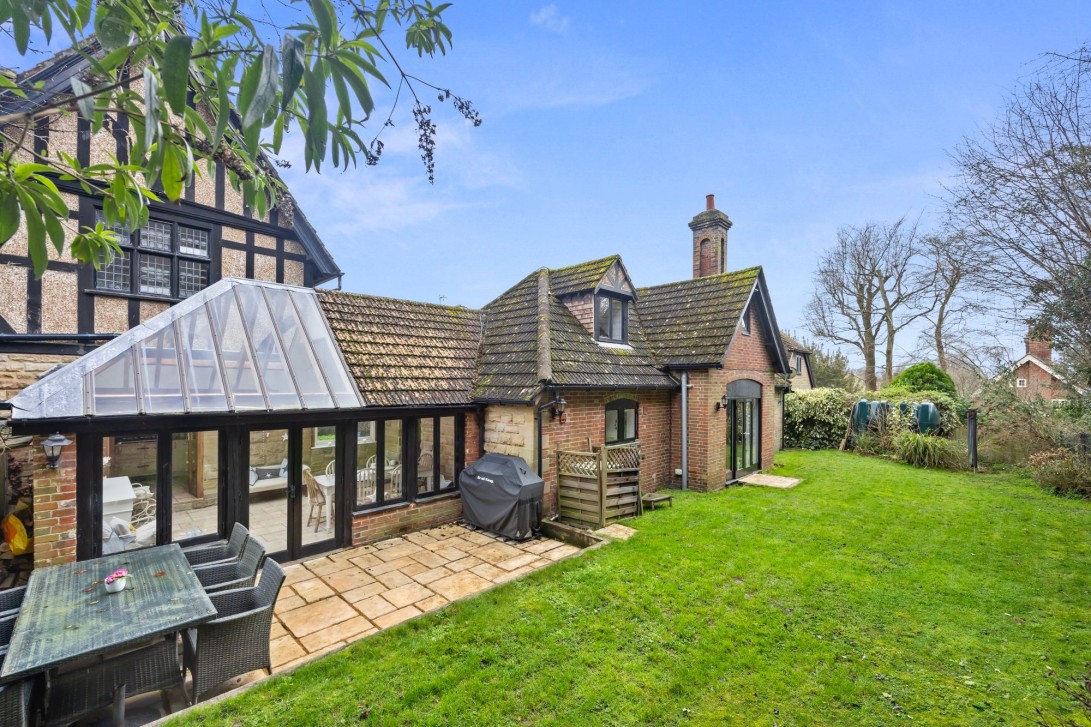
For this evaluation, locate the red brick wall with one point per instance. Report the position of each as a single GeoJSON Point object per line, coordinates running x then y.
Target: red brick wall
{"type": "Point", "coordinates": [54, 506]}
{"type": "Point", "coordinates": [709, 252]}
{"type": "Point", "coordinates": [585, 417]}
{"type": "Point", "coordinates": [747, 358]}
{"type": "Point", "coordinates": [583, 308]}
{"type": "Point", "coordinates": [1039, 383]}
{"type": "Point", "coordinates": [369, 527]}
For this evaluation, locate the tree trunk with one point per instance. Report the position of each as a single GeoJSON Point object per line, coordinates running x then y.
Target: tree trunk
{"type": "Point", "coordinates": [870, 383]}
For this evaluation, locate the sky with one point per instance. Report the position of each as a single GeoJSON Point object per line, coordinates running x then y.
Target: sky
{"type": "Point", "coordinates": [606, 124]}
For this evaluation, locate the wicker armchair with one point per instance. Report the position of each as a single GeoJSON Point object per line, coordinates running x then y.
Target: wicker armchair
{"type": "Point", "coordinates": [224, 551]}
{"type": "Point", "coordinates": [15, 703]}
{"type": "Point", "coordinates": [98, 685]}
{"type": "Point", "coordinates": [237, 640]}
{"type": "Point", "coordinates": [11, 600]}
{"type": "Point", "coordinates": [7, 626]}
{"type": "Point", "coordinates": [239, 574]}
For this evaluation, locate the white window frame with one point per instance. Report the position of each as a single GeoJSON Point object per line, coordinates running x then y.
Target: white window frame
{"type": "Point", "coordinates": [1020, 383]}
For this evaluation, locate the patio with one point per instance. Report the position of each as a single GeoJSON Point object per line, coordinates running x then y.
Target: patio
{"type": "Point", "coordinates": [331, 601]}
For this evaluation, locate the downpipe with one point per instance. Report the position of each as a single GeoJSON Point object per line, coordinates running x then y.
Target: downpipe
{"type": "Point", "coordinates": [685, 430]}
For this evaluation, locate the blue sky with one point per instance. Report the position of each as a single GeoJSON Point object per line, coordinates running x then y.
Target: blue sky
{"type": "Point", "coordinates": [606, 124]}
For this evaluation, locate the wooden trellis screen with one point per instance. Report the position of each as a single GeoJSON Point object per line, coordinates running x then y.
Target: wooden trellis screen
{"type": "Point", "coordinates": [595, 488]}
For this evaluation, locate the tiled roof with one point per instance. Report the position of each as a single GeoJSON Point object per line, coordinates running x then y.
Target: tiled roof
{"type": "Point", "coordinates": [404, 353]}
{"type": "Point", "coordinates": [531, 338]}
{"type": "Point", "coordinates": [690, 323]}
{"type": "Point", "coordinates": [578, 360]}
{"type": "Point", "coordinates": [792, 344]}
{"type": "Point", "coordinates": [509, 353]}
{"type": "Point", "coordinates": [579, 278]}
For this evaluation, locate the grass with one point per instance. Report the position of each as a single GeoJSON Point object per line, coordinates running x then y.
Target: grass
{"type": "Point", "coordinates": [873, 593]}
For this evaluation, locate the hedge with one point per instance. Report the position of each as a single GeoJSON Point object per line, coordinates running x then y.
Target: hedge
{"type": "Point", "coordinates": [816, 418]}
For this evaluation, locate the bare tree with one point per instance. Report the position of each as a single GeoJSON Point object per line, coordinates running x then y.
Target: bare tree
{"type": "Point", "coordinates": [950, 273]}
{"type": "Point", "coordinates": [905, 287]}
{"type": "Point", "coordinates": [845, 306]}
{"type": "Point", "coordinates": [868, 288]}
{"type": "Point", "coordinates": [1023, 197]}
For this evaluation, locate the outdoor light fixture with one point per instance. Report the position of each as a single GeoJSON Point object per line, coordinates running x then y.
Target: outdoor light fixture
{"type": "Point", "coordinates": [722, 403]}
{"type": "Point", "coordinates": [53, 444]}
{"type": "Point", "coordinates": [558, 407]}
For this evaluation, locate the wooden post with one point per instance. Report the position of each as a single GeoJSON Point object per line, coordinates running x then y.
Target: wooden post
{"type": "Point", "coordinates": [603, 456]}
{"type": "Point", "coordinates": [971, 437]}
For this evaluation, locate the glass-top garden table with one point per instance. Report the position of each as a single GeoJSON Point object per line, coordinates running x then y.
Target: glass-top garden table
{"type": "Point", "coordinates": [67, 613]}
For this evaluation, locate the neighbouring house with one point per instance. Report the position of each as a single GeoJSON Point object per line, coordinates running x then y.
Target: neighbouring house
{"type": "Point", "coordinates": [72, 309]}
{"type": "Point", "coordinates": [1034, 376]}
{"type": "Point", "coordinates": [798, 378]}
{"type": "Point", "coordinates": [799, 360]}
{"type": "Point", "coordinates": [329, 418]}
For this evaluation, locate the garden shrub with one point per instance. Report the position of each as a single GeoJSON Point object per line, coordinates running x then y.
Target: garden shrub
{"type": "Point", "coordinates": [816, 418]}
{"type": "Point", "coordinates": [926, 450]}
{"type": "Point", "coordinates": [1062, 471]}
{"type": "Point", "coordinates": [925, 377]}
{"type": "Point", "coordinates": [1012, 429]}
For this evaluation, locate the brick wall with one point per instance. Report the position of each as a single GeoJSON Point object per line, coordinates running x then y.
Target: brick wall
{"type": "Point", "coordinates": [20, 370]}
{"type": "Point", "coordinates": [585, 418]}
{"type": "Point", "coordinates": [709, 252]}
{"type": "Point", "coordinates": [583, 308]}
{"type": "Point", "coordinates": [54, 506]}
{"type": "Point", "coordinates": [370, 527]}
{"type": "Point", "coordinates": [1039, 383]}
{"type": "Point", "coordinates": [747, 358]}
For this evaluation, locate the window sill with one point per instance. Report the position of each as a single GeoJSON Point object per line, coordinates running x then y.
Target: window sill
{"type": "Point", "coordinates": [133, 296]}
{"type": "Point", "coordinates": [441, 495]}
{"type": "Point", "coordinates": [368, 510]}
{"type": "Point", "coordinates": [615, 344]}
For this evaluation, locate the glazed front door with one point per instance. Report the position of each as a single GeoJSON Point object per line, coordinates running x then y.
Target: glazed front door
{"type": "Point", "coordinates": [744, 437]}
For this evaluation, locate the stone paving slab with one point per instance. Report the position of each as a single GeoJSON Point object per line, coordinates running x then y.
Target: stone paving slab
{"type": "Point", "coordinates": [345, 596]}
{"type": "Point", "coordinates": [617, 531]}
{"type": "Point", "coordinates": [763, 480]}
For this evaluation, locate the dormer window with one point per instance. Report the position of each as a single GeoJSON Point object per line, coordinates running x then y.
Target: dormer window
{"type": "Point", "coordinates": [611, 319]}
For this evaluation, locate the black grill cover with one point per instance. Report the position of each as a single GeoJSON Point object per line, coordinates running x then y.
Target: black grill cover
{"type": "Point", "coordinates": [501, 494]}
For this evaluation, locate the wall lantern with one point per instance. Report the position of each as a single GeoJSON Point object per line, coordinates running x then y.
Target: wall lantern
{"type": "Point", "coordinates": [722, 403]}
{"type": "Point", "coordinates": [53, 445]}
{"type": "Point", "coordinates": [558, 408]}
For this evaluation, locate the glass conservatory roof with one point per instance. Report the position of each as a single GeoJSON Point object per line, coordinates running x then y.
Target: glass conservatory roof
{"type": "Point", "coordinates": [237, 346]}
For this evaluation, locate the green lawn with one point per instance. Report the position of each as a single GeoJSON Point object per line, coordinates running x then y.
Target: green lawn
{"type": "Point", "coordinates": [873, 593]}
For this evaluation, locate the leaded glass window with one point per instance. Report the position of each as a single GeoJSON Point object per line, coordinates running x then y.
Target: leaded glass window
{"type": "Point", "coordinates": [154, 275]}
{"type": "Point", "coordinates": [192, 276]}
{"type": "Point", "coordinates": [156, 235]}
{"type": "Point", "coordinates": [192, 241]}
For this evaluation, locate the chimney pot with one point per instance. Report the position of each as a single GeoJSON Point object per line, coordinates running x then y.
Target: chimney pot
{"type": "Point", "coordinates": [710, 201]}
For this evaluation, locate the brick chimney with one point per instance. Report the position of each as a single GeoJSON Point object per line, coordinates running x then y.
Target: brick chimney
{"type": "Point", "coordinates": [1039, 346]}
{"type": "Point", "coordinates": [709, 240]}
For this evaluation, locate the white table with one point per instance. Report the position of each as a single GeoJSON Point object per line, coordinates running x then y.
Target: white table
{"type": "Point", "coordinates": [326, 482]}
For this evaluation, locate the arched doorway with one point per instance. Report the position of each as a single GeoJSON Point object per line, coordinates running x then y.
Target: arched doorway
{"type": "Point", "coordinates": [743, 428]}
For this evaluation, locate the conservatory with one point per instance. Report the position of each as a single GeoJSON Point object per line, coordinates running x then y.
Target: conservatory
{"type": "Point", "coordinates": [235, 405]}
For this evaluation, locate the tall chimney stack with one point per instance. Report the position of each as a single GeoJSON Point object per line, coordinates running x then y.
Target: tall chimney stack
{"type": "Point", "coordinates": [710, 240]}
{"type": "Point", "coordinates": [1039, 345]}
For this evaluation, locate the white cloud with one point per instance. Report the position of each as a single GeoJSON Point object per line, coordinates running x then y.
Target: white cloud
{"type": "Point", "coordinates": [550, 18]}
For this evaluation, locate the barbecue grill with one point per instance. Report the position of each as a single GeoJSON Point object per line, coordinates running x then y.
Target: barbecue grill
{"type": "Point", "coordinates": [501, 494]}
